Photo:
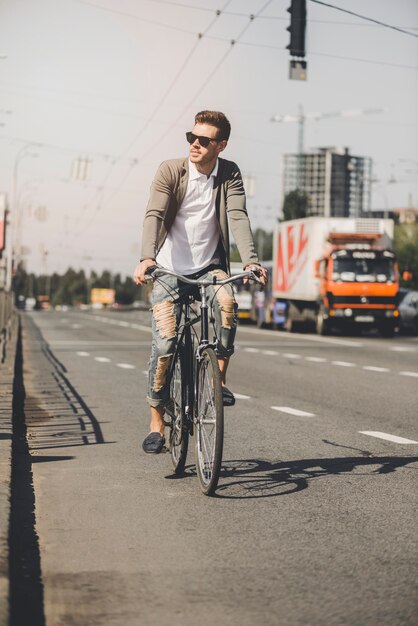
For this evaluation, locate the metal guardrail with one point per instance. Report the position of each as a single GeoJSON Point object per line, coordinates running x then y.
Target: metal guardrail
{"type": "Point", "coordinates": [6, 310]}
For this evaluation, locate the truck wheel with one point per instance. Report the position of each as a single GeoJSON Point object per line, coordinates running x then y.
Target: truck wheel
{"type": "Point", "coordinates": [322, 324]}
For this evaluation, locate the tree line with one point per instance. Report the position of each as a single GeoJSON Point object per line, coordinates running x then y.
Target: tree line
{"type": "Point", "coordinates": [74, 287]}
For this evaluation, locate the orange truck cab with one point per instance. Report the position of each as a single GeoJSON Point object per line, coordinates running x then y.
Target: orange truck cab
{"type": "Point", "coordinates": [358, 284]}
{"type": "Point", "coordinates": [337, 273]}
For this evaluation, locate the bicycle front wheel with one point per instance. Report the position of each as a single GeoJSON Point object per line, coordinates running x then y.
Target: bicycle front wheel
{"type": "Point", "coordinates": [179, 432]}
{"type": "Point", "coordinates": [209, 430]}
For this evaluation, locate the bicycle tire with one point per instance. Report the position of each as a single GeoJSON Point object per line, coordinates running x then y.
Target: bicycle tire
{"type": "Point", "coordinates": [179, 432]}
{"type": "Point", "coordinates": [209, 422]}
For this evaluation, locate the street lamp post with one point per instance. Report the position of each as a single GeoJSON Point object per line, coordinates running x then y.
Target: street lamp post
{"type": "Point", "coordinates": [14, 212]}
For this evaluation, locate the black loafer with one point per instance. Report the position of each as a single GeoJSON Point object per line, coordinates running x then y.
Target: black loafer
{"type": "Point", "coordinates": [227, 397]}
{"type": "Point", "coordinates": [153, 443]}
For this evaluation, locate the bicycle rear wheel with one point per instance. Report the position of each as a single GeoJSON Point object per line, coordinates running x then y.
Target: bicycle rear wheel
{"type": "Point", "coordinates": [179, 432]}
{"type": "Point", "coordinates": [209, 429]}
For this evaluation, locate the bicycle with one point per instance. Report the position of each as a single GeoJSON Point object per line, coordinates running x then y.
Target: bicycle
{"type": "Point", "coordinates": [195, 407]}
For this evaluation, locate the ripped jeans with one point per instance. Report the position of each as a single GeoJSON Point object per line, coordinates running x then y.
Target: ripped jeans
{"type": "Point", "coordinates": [166, 312]}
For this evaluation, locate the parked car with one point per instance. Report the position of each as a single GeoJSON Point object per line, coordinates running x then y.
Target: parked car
{"type": "Point", "coordinates": [408, 313]}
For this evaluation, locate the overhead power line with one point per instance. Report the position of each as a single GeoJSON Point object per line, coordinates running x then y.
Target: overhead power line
{"type": "Point", "coordinates": [363, 17]}
{"type": "Point", "coordinates": [132, 15]}
{"type": "Point", "coordinates": [322, 54]}
{"type": "Point", "coordinates": [101, 200]}
{"type": "Point", "coordinates": [184, 5]}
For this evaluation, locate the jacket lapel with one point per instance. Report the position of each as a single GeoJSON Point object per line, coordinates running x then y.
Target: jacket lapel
{"type": "Point", "coordinates": [217, 186]}
{"type": "Point", "coordinates": [184, 179]}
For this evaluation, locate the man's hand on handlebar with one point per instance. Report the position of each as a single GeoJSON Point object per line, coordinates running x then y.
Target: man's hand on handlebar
{"type": "Point", "coordinates": [141, 269]}
{"type": "Point", "coordinates": [259, 271]}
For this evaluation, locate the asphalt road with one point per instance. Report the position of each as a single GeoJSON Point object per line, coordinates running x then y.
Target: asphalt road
{"type": "Point", "coordinates": [314, 520]}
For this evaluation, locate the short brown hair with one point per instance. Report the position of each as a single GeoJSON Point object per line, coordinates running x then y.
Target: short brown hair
{"type": "Point", "coordinates": [217, 119]}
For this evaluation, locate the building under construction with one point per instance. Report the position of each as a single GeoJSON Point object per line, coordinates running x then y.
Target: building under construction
{"type": "Point", "coordinates": [336, 183]}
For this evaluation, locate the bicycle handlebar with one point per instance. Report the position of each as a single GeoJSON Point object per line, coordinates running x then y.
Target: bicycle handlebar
{"type": "Point", "coordinates": [156, 272]}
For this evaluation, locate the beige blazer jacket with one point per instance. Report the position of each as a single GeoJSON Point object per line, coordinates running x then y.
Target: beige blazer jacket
{"type": "Point", "coordinates": [167, 192]}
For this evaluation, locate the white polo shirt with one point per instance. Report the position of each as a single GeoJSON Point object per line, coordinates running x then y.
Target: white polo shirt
{"type": "Point", "coordinates": [193, 238]}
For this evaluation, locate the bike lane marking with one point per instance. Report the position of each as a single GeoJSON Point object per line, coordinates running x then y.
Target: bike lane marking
{"type": "Point", "coordinates": [291, 411]}
{"type": "Point", "coordinates": [414, 374]}
{"type": "Point", "coordinates": [343, 363]}
{"type": "Point", "coordinates": [402, 349]}
{"type": "Point", "coordinates": [387, 437]}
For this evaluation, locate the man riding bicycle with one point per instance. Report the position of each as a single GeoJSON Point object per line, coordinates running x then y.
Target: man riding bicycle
{"type": "Point", "coordinates": [186, 229]}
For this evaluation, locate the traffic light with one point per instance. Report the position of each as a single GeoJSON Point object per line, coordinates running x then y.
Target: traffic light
{"type": "Point", "coordinates": [297, 28]}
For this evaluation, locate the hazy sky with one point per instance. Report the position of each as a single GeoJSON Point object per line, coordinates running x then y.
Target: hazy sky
{"type": "Point", "coordinates": [117, 82]}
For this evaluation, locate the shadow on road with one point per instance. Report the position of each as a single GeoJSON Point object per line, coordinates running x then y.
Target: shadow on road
{"type": "Point", "coordinates": [56, 414]}
{"type": "Point", "coordinates": [48, 413]}
{"type": "Point", "coordinates": [254, 478]}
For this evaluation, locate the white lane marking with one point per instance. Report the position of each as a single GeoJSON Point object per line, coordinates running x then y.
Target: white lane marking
{"type": "Point", "coordinates": [145, 372]}
{"type": "Point", "coordinates": [126, 366]}
{"type": "Point", "coordinates": [270, 352]}
{"type": "Point", "coordinates": [252, 349]}
{"type": "Point", "coordinates": [290, 355]}
{"type": "Point", "coordinates": [102, 359]}
{"type": "Point", "coordinates": [414, 374]}
{"type": "Point", "coordinates": [379, 435]}
{"type": "Point", "coordinates": [76, 326]}
{"type": "Point", "coordinates": [105, 320]}
{"type": "Point", "coordinates": [241, 396]}
{"type": "Point", "coordinates": [303, 337]}
{"type": "Point", "coordinates": [402, 349]}
{"type": "Point", "coordinates": [78, 342]}
{"type": "Point", "coordinates": [343, 363]}
{"type": "Point", "coordinates": [374, 368]}
{"type": "Point", "coordinates": [140, 327]}
{"type": "Point", "coordinates": [288, 409]}
{"type": "Point", "coordinates": [315, 359]}
{"type": "Point", "coordinates": [83, 353]}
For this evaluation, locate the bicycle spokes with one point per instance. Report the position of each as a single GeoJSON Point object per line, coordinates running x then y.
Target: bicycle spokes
{"type": "Point", "coordinates": [209, 422]}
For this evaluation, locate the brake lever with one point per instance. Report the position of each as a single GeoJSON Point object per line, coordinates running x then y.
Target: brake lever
{"type": "Point", "coordinates": [255, 274]}
{"type": "Point", "coordinates": [149, 273]}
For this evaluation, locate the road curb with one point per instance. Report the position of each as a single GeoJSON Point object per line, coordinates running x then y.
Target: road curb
{"type": "Point", "coordinates": [7, 369]}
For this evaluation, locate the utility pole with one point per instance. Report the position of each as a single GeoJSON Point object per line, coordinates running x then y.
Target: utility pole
{"type": "Point", "coordinates": [14, 214]}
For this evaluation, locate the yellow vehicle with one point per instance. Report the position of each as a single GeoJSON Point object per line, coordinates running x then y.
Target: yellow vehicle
{"type": "Point", "coordinates": [43, 303]}
{"type": "Point", "coordinates": [102, 296]}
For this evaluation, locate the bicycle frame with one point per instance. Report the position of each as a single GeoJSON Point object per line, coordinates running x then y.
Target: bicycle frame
{"type": "Point", "coordinates": [185, 337]}
{"type": "Point", "coordinates": [192, 358]}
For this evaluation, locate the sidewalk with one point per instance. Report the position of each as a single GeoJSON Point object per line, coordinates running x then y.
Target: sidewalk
{"type": "Point", "coordinates": [6, 415]}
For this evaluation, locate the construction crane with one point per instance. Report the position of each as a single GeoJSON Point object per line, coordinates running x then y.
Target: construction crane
{"type": "Point", "coordinates": [301, 118]}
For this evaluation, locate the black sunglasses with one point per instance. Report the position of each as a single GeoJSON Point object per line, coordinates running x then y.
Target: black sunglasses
{"type": "Point", "coordinates": [204, 141]}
